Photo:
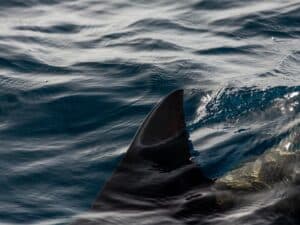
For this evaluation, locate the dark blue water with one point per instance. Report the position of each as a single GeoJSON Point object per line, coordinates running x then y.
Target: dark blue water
{"type": "Point", "coordinates": [78, 77]}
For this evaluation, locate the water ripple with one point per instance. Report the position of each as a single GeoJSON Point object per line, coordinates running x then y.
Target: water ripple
{"type": "Point", "coordinates": [78, 77]}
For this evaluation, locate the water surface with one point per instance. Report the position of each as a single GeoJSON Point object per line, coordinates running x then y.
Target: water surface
{"type": "Point", "coordinates": [78, 77]}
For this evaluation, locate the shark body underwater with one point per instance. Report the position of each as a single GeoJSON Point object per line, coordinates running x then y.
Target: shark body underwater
{"type": "Point", "coordinates": [157, 183]}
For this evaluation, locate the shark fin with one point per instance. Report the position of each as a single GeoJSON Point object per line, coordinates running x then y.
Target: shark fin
{"type": "Point", "coordinates": [157, 163]}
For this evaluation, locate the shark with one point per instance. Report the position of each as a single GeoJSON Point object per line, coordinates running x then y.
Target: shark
{"type": "Point", "coordinates": [157, 182]}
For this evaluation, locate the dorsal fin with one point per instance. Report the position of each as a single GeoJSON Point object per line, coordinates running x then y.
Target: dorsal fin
{"type": "Point", "coordinates": [164, 124]}
{"type": "Point", "coordinates": [155, 175]}
{"type": "Point", "coordinates": [165, 121]}
{"type": "Point", "coordinates": [157, 163]}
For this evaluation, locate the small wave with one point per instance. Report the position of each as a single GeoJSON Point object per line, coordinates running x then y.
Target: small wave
{"type": "Point", "coordinates": [29, 3]}
{"type": "Point", "coordinates": [227, 50]}
{"type": "Point", "coordinates": [215, 4]}
{"type": "Point", "coordinates": [54, 29]}
{"type": "Point", "coordinates": [148, 44]}
{"type": "Point", "coordinates": [266, 23]}
{"type": "Point", "coordinates": [106, 39]}
{"type": "Point", "coordinates": [163, 24]}
{"type": "Point", "coordinates": [27, 64]}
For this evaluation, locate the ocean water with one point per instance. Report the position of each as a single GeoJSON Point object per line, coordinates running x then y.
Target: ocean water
{"type": "Point", "coordinates": [78, 77]}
